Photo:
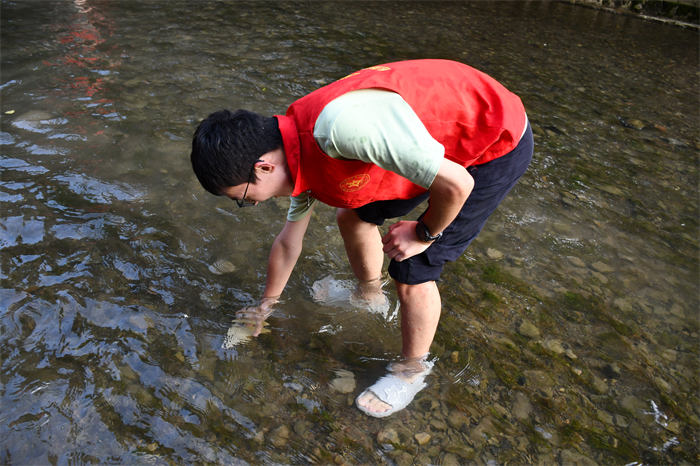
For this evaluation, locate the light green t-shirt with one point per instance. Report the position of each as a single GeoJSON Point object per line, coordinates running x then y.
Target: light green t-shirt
{"type": "Point", "coordinates": [379, 127]}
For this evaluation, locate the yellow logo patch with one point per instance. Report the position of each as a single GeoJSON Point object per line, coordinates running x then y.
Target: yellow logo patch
{"type": "Point", "coordinates": [373, 68]}
{"type": "Point", "coordinates": [354, 183]}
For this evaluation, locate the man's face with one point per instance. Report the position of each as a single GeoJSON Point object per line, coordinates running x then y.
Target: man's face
{"type": "Point", "coordinates": [272, 180]}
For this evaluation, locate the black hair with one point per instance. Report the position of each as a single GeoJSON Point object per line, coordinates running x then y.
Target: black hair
{"type": "Point", "coordinates": [227, 144]}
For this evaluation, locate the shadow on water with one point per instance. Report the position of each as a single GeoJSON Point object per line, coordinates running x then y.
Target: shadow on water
{"type": "Point", "coordinates": [569, 329]}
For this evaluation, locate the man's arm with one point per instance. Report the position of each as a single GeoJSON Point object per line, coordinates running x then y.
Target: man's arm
{"type": "Point", "coordinates": [283, 256]}
{"type": "Point", "coordinates": [448, 193]}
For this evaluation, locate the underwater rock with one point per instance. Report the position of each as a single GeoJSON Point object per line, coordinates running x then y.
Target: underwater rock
{"type": "Point", "coordinates": [388, 435]}
{"type": "Point", "coordinates": [401, 457]}
{"type": "Point", "coordinates": [554, 346]}
{"type": "Point", "coordinates": [573, 458]}
{"type": "Point", "coordinates": [457, 419]}
{"type": "Point", "coordinates": [280, 436]}
{"type": "Point", "coordinates": [494, 254]}
{"type": "Point", "coordinates": [539, 381]}
{"type": "Point", "coordinates": [600, 277]}
{"type": "Point", "coordinates": [576, 262]}
{"type": "Point", "coordinates": [344, 381]}
{"type": "Point", "coordinates": [631, 123]}
{"type": "Point", "coordinates": [599, 385]}
{"type": "Point", "coordinates": [450, 459]}
{"type": "Point", "coordinates": [301, 428]}
{"type": "Point", "coordinates": [612, 371]}
{"type": "Point", "coordinates": [422, 438]}
{"type": "Point", "coordinates": [634, 405]}
{"type": "Point", "coordinates": [528, 329]}
{"type": "Point", "coordinates": [482, 432]}
{"type": "Point", "coordinates": [438, 424]}
{"type": "Point", "coordinates": [34, 115]}
{"type": "Point", "coordinates": [602, 267]}
{"type": "Point", "coordinates": [605, 417]}
{"type": "Point", "coordinates": [522, 408]}
{"type": "Point", "coordinates": [221, 267]}
{"type": "Point", "coordinates": [610, 189]}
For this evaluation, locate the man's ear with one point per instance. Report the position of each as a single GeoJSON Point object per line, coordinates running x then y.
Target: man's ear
{"type": "Point", "coordinates": [264, 167]}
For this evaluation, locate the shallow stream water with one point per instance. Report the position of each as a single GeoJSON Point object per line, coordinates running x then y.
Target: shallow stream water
{"type": "Point", "coordinates": [569, 330]}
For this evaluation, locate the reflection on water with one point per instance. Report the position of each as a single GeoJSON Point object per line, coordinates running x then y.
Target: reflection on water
{"type": "Point", "coordinates": [569, 330]}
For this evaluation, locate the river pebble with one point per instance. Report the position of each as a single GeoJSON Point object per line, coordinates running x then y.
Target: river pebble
{"type": "Point", "coordinates": [388, 435]}
{"type": "Point", "coordinates": [494, 254]}
{"type": "Point", "coordinates": [280, 436]}
{"type": "Point", "coordinates": [569, 457]}
{"type": "Point", "coordinates": [576, 262]}
{"type": "Point", "coordinates": [528, 329]}
{"type": "Point", "coordinates": [554, 346]}
{"type": "Point", "coordinates": [599, 385]}
{"type": "Point", "coordinates": [344, 382]}
{"type": "Point", "coordinates": [422, 438]}
{"type": "Point", "coordinates": [457, 420]}
{"type": "Point", "coordinates": [221, 267]}
{"type": "Point", "coordinates": [450, 459]}
{"type": "Point", "coordinates": [540, 381]}
{"type": "Point", "coordinates": [522, 408]}
{"type": "Point", "coordinates": [602, 267]}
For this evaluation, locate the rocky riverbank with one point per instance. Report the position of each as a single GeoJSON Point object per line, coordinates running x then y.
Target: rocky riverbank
{"type": "Point", "coordinates": [683, 13]}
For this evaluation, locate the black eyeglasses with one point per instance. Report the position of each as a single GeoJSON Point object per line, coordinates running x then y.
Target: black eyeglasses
{"type": "Point", "coordinates": [247, 202]}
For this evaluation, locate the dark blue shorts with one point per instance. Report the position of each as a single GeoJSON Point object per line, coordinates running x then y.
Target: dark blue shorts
{"type": "Point", "coordinates": [492, 181]}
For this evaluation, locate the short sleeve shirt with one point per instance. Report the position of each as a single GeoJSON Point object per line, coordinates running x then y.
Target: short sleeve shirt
{"type": "Point", "coordinates": [379, 127]}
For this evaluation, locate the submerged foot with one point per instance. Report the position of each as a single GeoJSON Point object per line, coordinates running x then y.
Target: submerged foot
{"type": "Point", "coordinates": [396, 390]}
{"type": "Point", "coordinates": [367, 295]}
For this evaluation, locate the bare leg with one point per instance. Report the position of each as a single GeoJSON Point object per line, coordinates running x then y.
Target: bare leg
{"type": "Point", "coordinates": [420, 314]}
{"type": "Point", "coordinates": [363, 245]}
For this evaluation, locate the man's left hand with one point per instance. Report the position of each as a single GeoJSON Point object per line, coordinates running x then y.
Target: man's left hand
{"type": "Point", "coordinates": [401, 242]}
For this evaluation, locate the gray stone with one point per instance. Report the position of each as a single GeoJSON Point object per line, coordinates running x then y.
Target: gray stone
{"type": "Point", "coordinates": [634, 405]}
{"type": "Point", "coordinates": [450, 459]}
{"type": "Point", "coordinates": [438, 424]}
{"type": "Point", "coordinates": [605, 417]}
{"type": "Point", "coordinates": [599, 385]}
{"type": "Point", "coordinates": [528, 329]}
{"type": "Point", "coordinates": [554, 346]}
{"type": "Point", "coordinates": [494, 254]}
{"type": "Point", "coordinates": [540, 381]}
{"type": "Point", "coordinates": [572, 458]}
{"type": "Point", "coordinates": [422, 438]}
{"type": "Point", "coordinates": [388, 435]}
{"type": "Point", "coordinates": [482, 432]}
{"type": "Point", "coordinates": [280, 436]}
{"type": "Point", "coordinates": [602, 267]}
{"type": "Point", "coordinates": [344, 382]}
{"type": "Point", "coordinates": [457, 419]}
{"type": "Point", "coordinates": [576, 262]}
{"type": "Point", "coordinates": [522, 408]}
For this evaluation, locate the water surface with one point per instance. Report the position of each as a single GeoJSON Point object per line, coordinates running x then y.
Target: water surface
{"type": "Point", "coordinates": [569, 329]}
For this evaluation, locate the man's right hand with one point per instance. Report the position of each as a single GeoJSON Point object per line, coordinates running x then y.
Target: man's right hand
{"type": "Point", "coordinates": [255, 316]}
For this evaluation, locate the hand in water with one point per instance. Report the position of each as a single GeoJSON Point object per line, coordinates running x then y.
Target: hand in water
{"type": "Point", "coordinates": [255, 316]}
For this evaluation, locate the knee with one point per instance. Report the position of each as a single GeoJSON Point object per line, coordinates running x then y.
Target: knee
{"type": "Point", "coordinates": [411, 292]}
{"type": "Point", "coordinates": [347, 219]}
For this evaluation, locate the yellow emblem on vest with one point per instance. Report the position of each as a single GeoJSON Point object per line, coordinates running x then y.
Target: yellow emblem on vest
{"type": "Point", "coordinates": [373, 68]}
{"type": "Point", "coordinates": [354, 183]}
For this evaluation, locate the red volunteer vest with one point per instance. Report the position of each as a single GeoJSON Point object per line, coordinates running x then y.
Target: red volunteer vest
{"type": "Point", "coordinates": [473, 116]}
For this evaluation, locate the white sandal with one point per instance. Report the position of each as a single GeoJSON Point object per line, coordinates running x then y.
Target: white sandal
{"type": "Point", "coordinates": [395, 391]}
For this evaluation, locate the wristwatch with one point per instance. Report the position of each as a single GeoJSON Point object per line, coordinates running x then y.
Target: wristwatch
{"type": "Point", "coordinates": [424, 234]}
